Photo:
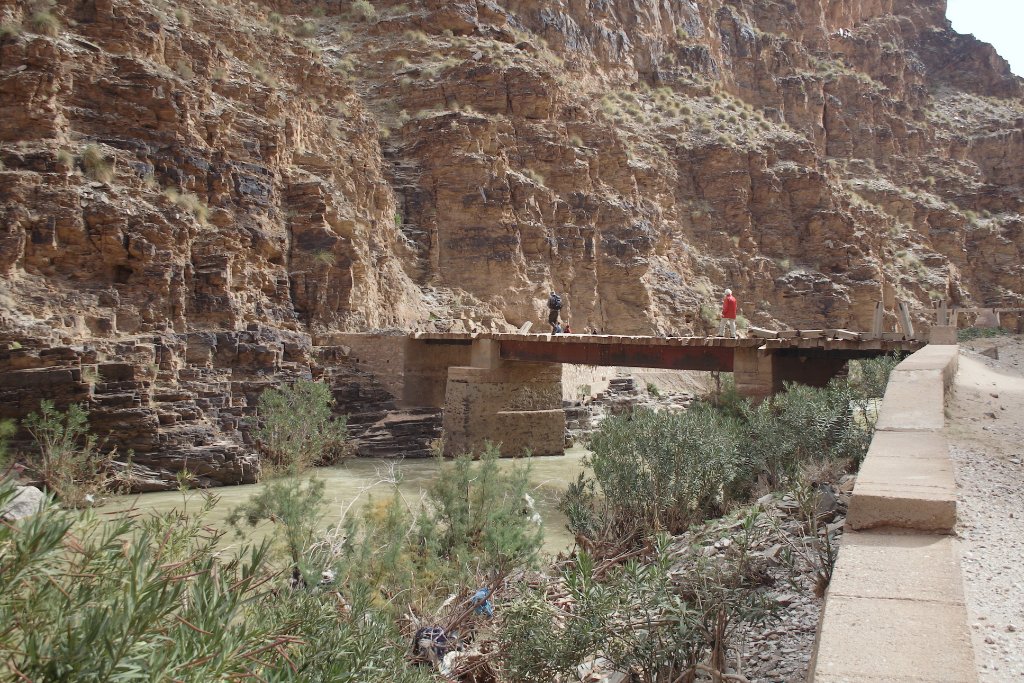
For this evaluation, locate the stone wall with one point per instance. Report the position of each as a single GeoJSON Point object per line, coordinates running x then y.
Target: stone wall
{"type": "Point", "coordinates": [575, 377]}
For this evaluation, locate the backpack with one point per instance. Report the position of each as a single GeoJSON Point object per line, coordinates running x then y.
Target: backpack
{"type": "Point", "coordinates": [555, 302]}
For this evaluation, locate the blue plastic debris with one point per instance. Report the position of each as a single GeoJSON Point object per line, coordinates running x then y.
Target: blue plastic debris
{"type": "Point", "coordinates": [483, 605]}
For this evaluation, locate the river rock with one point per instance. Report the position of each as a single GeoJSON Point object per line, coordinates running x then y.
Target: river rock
{"type": "Point", "coordinates": [28, 501]}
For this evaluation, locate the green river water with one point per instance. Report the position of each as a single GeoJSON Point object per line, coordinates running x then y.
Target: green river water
{"type": "Point", "coordinates": [349, 482]}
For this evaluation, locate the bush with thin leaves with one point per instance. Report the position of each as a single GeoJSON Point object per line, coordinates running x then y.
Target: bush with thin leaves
{"type": "Point", "coordinates": [296, 428]}
{"type": "Point", "coordinates": [151, 599]}
{"type": "Point", "coordinates": [69, 462]}
{"type": "Point", "coordinates": [479, 513]}
{"type": "Point", "coordinates": [664, 619]}
{"type": "Point", "coordinates": [658, 471]}
{"type": "Point", "coordinates": [476, 521]}
{"type": "Point", "coordinates": [293, 506]}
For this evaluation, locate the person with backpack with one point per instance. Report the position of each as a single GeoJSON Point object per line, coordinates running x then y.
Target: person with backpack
{"type": "Point", "coordinates": [554, 307]}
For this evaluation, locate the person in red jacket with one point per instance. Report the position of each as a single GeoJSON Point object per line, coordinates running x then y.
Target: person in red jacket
{"type": "Point", "coordinates": [728, 315]}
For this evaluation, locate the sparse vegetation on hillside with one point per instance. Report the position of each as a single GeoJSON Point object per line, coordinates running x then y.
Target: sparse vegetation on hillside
{"type": "Point", "coordinates": [189, 202]}
{"type": "Point", "coordinates": [96, 165]}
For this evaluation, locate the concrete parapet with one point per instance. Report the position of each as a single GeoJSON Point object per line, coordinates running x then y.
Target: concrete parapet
{"type": "Point", "coordinates": [895, 608]}
{"type": "Point", "coordinates": [894, 612]}
{"type": "Point", "coordinates": [941, 357]}
{"type": "Point", "coordinates": [906, 481]}
{"type": "Point", "coordinates": [942, 335]}
{"type": "Point", "coordinates": [914, 401]}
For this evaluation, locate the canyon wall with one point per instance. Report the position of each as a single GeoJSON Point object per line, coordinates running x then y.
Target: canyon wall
{"type": "Point", "coordinates": [312, 169]}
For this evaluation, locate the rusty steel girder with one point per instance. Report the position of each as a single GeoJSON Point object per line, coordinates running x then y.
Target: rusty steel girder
{"type": "Point", "coordinates": [627, 355]}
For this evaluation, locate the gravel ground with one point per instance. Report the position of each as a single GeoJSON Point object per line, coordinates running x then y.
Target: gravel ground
{"type": "Point", "coordinates": [986, 432]}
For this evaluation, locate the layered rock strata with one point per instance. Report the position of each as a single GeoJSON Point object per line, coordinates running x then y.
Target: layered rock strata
{"type": "Point", "coordinates": [187, 402]}
{"type": "Point", "coordinates": [188, 170]}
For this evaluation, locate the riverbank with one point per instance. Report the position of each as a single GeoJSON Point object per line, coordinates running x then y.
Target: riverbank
{"type": "Point", "coordinates": [350, 485]}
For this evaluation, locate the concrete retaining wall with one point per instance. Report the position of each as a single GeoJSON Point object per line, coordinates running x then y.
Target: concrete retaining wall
{"type": "Point", "coordinates": [895, 608]}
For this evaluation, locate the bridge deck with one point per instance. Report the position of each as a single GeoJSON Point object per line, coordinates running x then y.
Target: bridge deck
{"type": "Point", "coordinates": [689, 353]}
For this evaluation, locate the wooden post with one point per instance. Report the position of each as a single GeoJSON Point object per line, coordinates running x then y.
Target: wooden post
{"type": "Point", "coordinates": [904, 318]}
{"type": "Point", "coordinates": [876, 323]}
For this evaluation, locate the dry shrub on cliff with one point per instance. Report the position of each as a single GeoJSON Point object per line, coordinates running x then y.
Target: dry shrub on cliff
{"type": "Point", "coordinates": [96, 165]}
{"type": "Point", "coordinates": [184, 70]}
{"type": "Point", "coordinates": [263, 76]}
{"type": "Point", "coordinates": [183, 17]}
{"type": "Point", "coordinates": [65, 158]}
{"type": "Point", "coordinates": [325, 257]}
{"type": "Point", "coordinates": [533, 175]}
{"type": "Point", "coordinates": [9, 30]}
{"type": "Point", "coordinates": [189, 202]}
{"type": "Point", "coordinates": [304, 29]}
{"type": "Point", "coordinates": [363, 10]}
{"type": "Point", "coordinates": [44, 22]}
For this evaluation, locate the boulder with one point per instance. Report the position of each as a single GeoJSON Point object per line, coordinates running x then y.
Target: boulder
{"type": "Point", "coordinates": [28, 501]}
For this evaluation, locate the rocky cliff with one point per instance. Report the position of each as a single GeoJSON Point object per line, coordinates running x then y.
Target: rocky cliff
{"type": "Point", "coordinates": [170, 169]}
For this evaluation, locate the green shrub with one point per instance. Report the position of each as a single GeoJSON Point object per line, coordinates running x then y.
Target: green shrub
{"type": "Point", "coordinates": [804, 426]}
{"type": "Point", "coordinates": [969, 333]}
{"type": "Point", "coordinates": [653, 390]}
{"type": "Point", "coordinates": [475, 524]}
{"type": "Point", "coordinates": [69, 462]}
{"type": "Point", "coordinates": [482, 514]}
{"type": "Point", "coordinates": [137, 598]}
{"type": "Point", "coordinates": [658, 471]}
{"type": "Point", "coordinates": [295, 428]}
{"type": "Point", "coordinates": [665, 471]}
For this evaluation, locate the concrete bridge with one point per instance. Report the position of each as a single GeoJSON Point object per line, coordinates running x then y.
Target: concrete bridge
{"type": "Point", "coordinates": [507, 388]}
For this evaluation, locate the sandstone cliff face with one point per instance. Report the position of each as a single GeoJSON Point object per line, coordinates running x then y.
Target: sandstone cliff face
{"type": "Point", "coordinates": [206, 167]}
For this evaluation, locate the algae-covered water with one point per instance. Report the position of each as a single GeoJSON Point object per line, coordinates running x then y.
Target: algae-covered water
{"type": "Point", "coordinates": [352, 483]}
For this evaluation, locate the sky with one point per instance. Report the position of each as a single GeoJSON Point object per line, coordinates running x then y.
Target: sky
{"type": "Point", "coordinates": [999, 22]}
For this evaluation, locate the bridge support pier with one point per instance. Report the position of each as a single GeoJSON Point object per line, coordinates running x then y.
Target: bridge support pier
{"type": "Point", "coordinates": [753, 372]}
{"type": "Point", "coordinates": [515, 404]}
{"type": "Point", "coordinates": [760, 373]}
